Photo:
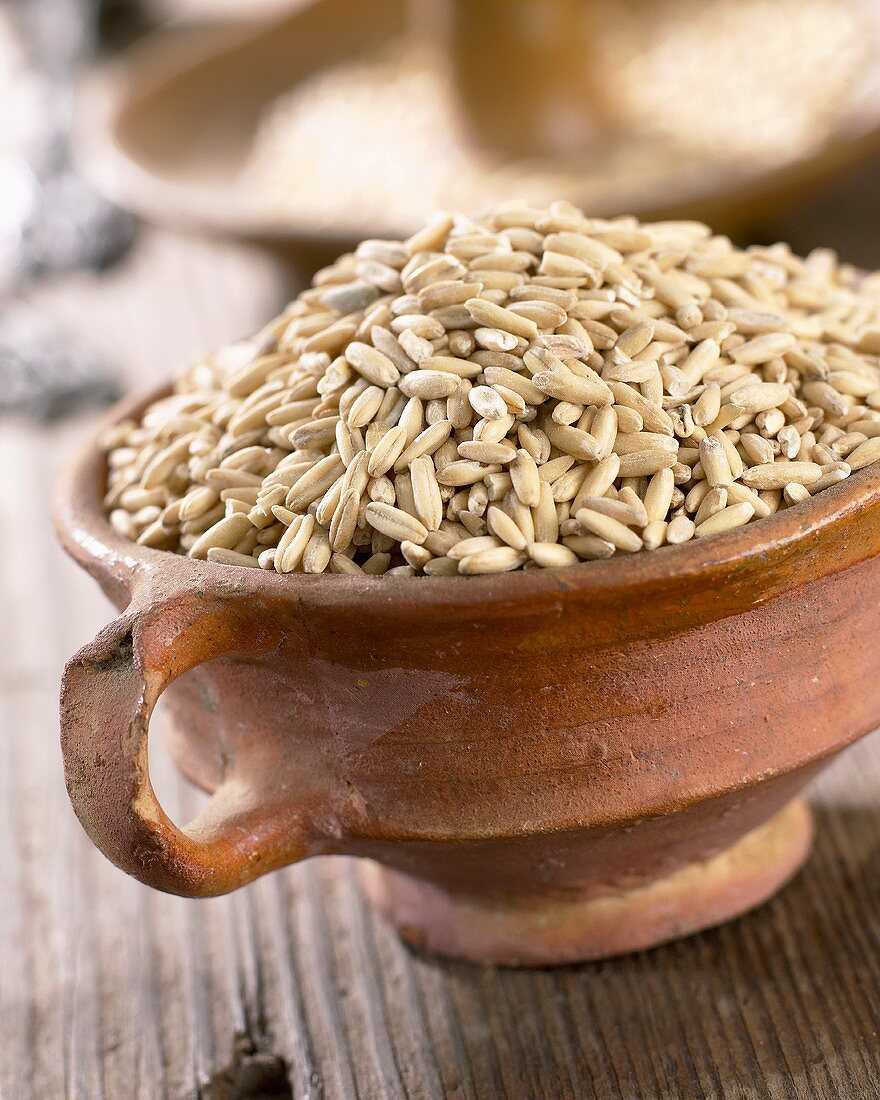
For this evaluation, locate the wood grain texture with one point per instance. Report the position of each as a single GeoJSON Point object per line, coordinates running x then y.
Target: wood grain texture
{"type": "Point", "coordinates": [292, 987]}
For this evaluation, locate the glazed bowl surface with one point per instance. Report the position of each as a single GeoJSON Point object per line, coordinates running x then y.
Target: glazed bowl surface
{"type": "Point", "coordinates": [540, 766]}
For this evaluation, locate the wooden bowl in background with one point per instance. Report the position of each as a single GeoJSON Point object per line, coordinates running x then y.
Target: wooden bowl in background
{"type": "Point", "coordinates": [168, 132]}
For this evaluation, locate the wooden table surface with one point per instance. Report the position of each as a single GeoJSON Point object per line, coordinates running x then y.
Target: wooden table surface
{"type": "Point", "coordinates": [292, 987]}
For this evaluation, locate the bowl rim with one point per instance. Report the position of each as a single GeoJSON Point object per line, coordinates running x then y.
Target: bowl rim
{"type": "Point", "coordinates": [87, 535]}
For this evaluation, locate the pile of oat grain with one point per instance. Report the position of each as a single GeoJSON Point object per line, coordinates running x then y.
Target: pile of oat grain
{"type": "Point", "coordinates": [532, 388]}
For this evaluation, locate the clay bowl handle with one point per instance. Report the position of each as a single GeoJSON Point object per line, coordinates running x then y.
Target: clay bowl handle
{"type": "Point", "coordinates": [108, 694]}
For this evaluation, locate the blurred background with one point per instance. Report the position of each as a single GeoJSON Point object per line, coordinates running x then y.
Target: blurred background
{"type": "Point", "coordinates": [171, 172]}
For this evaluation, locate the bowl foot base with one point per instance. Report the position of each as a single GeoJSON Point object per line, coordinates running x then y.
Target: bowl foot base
{"type": "Point", "coordinates": [535, 932]}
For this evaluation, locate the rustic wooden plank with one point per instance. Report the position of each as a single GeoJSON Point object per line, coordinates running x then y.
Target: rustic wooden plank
{"type": "Point", "coordinates": [108, 990]}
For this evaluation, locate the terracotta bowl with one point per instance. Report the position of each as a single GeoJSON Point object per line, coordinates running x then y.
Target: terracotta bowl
{"type": "Point", "coordinates": [539, 767]}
